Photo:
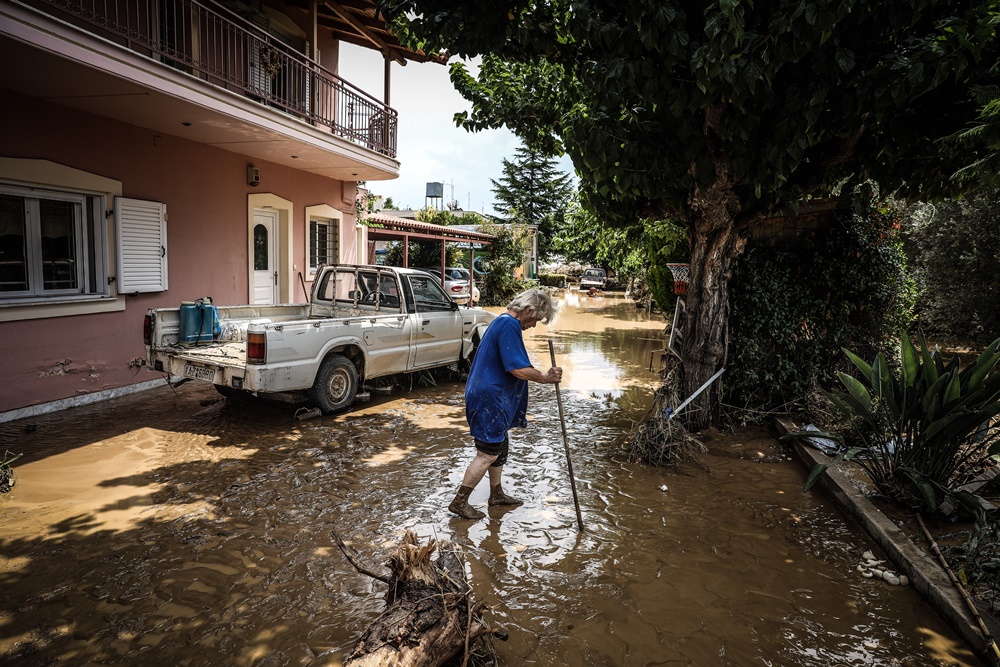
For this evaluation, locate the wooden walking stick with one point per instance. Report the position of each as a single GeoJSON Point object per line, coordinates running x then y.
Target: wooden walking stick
{"type": "Point", "coordinates": [569, 463]}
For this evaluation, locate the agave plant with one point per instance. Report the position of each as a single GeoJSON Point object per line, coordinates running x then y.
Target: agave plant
{"type": "Point", "coordinates": [925, 429]}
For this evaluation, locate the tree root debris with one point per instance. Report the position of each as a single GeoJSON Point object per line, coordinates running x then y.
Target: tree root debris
{"type": "Point", "coordinates": [430, 619]}
{"type": "Point", "coordinates": [659, 439]}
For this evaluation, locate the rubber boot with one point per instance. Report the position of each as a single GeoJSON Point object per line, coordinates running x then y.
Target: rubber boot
{"type": "Point", "coordinates": [498, 497]}
{"type": "Point", "coordinates": [460, 505]}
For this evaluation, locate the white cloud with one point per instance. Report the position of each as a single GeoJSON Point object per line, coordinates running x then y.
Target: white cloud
{"type": "Point", "coordinates": [430, 147]}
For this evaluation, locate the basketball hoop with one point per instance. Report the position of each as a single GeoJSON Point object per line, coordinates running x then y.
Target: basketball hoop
{"type": "Point", "coordinates": [681, 273]}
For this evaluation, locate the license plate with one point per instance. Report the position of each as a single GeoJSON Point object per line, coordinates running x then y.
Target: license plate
{"type": "Point", "coordinates": [199, 372]}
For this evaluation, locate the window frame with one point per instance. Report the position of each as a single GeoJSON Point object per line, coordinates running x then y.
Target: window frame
{"type": "Point", "coordinates": [429, 306]}
{"type": "Point", "coordinates": [90, 246]}
{"type": "Point", "coordinates": [332, 225]}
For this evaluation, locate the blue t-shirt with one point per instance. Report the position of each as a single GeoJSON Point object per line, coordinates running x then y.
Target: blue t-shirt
{"type": "Point", "coordinates": [495, 400]}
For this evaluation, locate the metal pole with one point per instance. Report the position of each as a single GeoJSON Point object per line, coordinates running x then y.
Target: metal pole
{"type": "Point", "coordinates": [569, 463]}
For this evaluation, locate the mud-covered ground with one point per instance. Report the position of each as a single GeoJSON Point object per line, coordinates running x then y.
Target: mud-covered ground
{"type": "Point", "coordinates": [176, 527]}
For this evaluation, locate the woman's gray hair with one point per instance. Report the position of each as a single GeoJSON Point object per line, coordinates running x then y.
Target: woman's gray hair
{"type": "Point", "coordinates": [535, 300]}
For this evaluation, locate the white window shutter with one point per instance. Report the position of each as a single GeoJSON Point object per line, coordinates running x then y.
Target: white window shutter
{"type": "Point", "coordinates": [142, 245]}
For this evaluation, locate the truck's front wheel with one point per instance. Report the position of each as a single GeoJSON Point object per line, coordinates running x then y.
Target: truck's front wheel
{"type": "Point", "coordinates": [336, 384]}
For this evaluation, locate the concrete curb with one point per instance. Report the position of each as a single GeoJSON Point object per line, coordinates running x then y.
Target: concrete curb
{"type": "Point", "coordinates": [926, 574]}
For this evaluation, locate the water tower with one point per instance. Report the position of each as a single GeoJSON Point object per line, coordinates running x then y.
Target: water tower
{"type": "Point", "coordinates": [435, 195]}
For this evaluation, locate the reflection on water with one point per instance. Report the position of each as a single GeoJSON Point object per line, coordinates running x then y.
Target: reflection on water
{"type": "Point", "coordinates": [176, 527]}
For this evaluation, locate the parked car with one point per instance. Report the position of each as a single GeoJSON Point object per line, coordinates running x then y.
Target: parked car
{"type": "Point", "coordinates": [593, 278]}
{"type": "Point", "coordinates": [456, 284]}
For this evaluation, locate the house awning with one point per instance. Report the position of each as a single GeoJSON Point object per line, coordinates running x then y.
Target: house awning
{"type": "Point", "coordinates": [383, 227]}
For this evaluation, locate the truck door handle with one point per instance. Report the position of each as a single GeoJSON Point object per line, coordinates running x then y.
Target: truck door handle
{"type": "Point", "coordinates": [425, 322]}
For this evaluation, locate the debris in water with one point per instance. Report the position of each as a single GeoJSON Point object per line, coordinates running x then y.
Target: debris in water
{"type": "Point", "coordinates": [6, 472]}
{"type": "Point", "coordinates": [430, 617]}
{"type": "Point", "coordinates": [660, 439]}
{"type": "Point", "coordinates": [872, 568]}
{"type": "Point", "coordinates": [303, 414]}
{"type": "Point", "coordinates": [663, 488]}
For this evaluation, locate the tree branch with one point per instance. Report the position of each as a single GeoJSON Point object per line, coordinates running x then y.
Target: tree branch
{"type": "Point", "coordinates": [350, 559]}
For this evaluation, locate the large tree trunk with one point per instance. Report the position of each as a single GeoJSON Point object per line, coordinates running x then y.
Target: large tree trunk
{"type": "Point", "coordinates": [429, 617]}
{"type": "Point", "coordinates": [714, 241]}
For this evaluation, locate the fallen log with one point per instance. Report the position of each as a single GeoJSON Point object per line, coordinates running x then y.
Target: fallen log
{"type": "Point", "coordinates": [430, 619]}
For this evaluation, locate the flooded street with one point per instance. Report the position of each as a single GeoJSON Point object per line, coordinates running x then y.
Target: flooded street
{"type": "Point", "coordinates": [176, 527]}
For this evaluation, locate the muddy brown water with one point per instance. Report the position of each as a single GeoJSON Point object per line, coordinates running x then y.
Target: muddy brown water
{"type": "Point", "coordinates": [175, 527]}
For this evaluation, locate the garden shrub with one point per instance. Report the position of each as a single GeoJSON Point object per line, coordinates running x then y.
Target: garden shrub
{"type": "Point", "coordinates": [793, 307]}
{"type": "Point", "coordinates": [923, 430]}
{"type": "Point", "coordinates": [553, 279]}
{"type": "Point", "coordinates": [954, 251]}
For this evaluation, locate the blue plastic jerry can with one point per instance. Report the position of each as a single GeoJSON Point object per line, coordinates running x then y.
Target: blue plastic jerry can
{"type": "Point", "coordinates": [199, 321]}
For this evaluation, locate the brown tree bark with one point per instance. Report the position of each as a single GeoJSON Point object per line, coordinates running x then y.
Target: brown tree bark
{"type": "Point", "coordinates": [715, 242]}
{"type": "Point", "coordinates": [429, 617]}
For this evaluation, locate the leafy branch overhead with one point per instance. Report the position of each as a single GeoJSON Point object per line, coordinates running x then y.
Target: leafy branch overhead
{"type": "Point", "coordinates": [809, 92]}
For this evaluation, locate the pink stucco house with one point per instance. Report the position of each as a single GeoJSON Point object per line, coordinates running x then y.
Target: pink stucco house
{"type": "Point", "coordinates": [158, 151]}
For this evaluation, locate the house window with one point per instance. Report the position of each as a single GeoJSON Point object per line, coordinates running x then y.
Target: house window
{"type": "Point", "coordinates": [322, 242]}
{"type": "Point", "coordinates": [52, 245]}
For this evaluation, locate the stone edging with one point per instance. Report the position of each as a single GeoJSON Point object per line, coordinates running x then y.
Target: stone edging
{"type": "Point", "coordinates": [926, 574]}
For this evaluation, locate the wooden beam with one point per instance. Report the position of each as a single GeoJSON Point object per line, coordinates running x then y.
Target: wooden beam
{"type": "Point", "coordinates": [369, 34]}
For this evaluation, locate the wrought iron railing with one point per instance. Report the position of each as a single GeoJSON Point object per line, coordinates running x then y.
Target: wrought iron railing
{"type": "Point", "coordinates": [209, 41]}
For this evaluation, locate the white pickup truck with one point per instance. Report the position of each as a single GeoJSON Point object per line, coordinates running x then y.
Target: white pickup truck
{"type": "Point", "coordinates": [363, 322]}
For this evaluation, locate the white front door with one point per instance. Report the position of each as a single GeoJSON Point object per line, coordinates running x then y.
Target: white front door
{"type": "Point", "coordinates": [265, 257]}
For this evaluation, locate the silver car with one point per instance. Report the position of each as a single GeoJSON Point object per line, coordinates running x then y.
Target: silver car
{"type": "Point", "coordinates": [593, 278]}
{"type": "Point", "coordinates": [456, 284]}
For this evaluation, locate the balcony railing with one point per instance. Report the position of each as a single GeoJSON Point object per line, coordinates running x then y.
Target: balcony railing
{"type": "Point", "coordinates": [208, 41]}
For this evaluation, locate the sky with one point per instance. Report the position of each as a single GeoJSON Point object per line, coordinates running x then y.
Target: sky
{"type": "Point", "coordinates": [430, 147]}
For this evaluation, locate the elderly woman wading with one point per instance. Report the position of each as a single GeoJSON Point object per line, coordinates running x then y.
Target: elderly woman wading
{"type": "Point", "coordinates": [496, 395]}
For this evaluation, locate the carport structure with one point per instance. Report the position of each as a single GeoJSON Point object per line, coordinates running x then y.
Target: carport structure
{"type": "Point", "coordinates": [383, 227]}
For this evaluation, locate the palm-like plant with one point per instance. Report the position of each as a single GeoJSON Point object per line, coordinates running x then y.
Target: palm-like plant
{"type": "Point", "coordinates": [924, 430]}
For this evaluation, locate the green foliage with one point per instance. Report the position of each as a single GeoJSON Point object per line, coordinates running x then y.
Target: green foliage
{"type": "Point", "coordinates": [422, 254]}
{"type": "Point", "coordinates": [585, 239]}
{"type": "Point", "coordinates": [977, 560]}
{"type": "Point", "coordinates": [793, 307]}
{"type": "Point", "coordinates": [364, 201]}
{"type": "Point", "coordinates": [625, 88]}
{"type": "Point", "coordinates": [926, 428]}
{"type": "Point", "coordinates": [446, 218]}
{"type": "Point", "coordinates": [532, 191]}
{"type": "Point", "coordinates": [553, 279]}
{"type": "Point", "coordinates": [954, 251]}
{"type": "Point", "coordinates": [666, 243]}
{"type": "Point", "coordinates": [503, 256]}
{"type": "Point", "coordinates": [981, 142]}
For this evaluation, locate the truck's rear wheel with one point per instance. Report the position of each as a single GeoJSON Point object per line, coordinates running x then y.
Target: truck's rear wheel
{"type": "Point", "coordinates": [336, 384]}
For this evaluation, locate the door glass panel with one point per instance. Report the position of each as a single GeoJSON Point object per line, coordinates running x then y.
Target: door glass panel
{"type": "Point", "coordinates": [260, 248]}
{"type": "Point", "coordinates": [58, 227]}
{"type": "Point", "coordinates": [427, 294]}
{"type": "Point", "coordinates": [13, 265]}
